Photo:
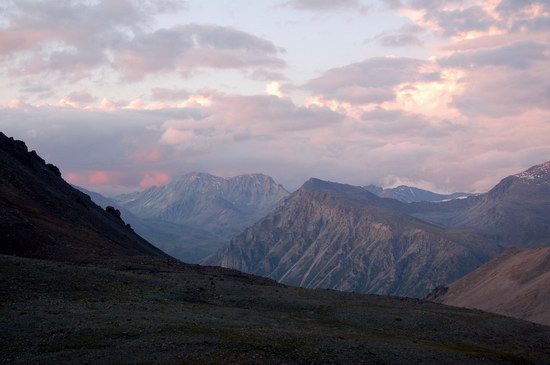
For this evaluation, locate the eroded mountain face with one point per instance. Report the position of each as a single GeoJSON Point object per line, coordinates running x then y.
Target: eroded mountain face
{"type": "Point", "coordinates": [329, 235]}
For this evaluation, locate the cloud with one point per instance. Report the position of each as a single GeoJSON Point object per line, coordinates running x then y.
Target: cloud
{"type": "Point", "coordinates": [77, 99]}
{"type": "Point", "coordinates": [467, 19]}
{"type": "Point", "coordinates": [241, 118]}
{"type": "Point", "coordinates": [137, 148]}
{"type": "Point", "coordinates": [400, 40]}
{"type": "Point", "coordinates": [511, 7]}
{"type": "Point", "coordinates": [154, 178]}
{"type": "Point", "coordinates": [72, 39]}
{"type": "Point", "coordinates": [186, 48]}
{"type": "Point", "coordinates": [371, 81]}
{"type": "Point", "coordinates": [81, 32]}
{"type": "Point", "coordinates": [169, 94]}
{"type": "Point", "coordinates": [460, 21]}
{"type": "Point", "coordinates": [520, 55]}
{"type": "Point", "coordinates": [498, 93]}
{"type": "Point", "coordinates": [406, 36]}
{"type": "Point", "coordinates": [325, 5]}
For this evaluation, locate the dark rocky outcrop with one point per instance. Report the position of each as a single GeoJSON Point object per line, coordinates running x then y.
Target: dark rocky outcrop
{"type": "Point", "coordinates": [42, 216]}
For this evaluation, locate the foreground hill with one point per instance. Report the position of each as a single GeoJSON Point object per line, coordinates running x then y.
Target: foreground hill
{"type": "Point", "coordinates": [409, 194]}
{"type": "Point", "coordinates": [42, 216]}
{"type": "Point", "coordinates": [156, 312]}
{"type": "Point", "coordinates": [199, 213]}
{"type": "Point", "coordinates": [516, 212]}
{"type": "Point", "coordinates": [329, 235]}
{"type": "Point", "coordinates": [131, 304]}
{"type": "Point", "coordinates": [516, 283]}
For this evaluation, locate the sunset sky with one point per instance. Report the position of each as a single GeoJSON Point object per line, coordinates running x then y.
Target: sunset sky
{"type": "Point", "coordinates": [123, 95]}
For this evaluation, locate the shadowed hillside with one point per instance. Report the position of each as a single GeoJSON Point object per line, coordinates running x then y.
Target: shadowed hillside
{"type": "Point", "coordinates": [42, 216]}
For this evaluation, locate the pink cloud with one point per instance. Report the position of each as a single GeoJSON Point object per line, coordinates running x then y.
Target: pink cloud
{"type": "Point", "coordinates": [154, 178]}
{"type": "Point", "coordinates": [97, 178]}
{"type": "Point", "coordinates": [13, 40]}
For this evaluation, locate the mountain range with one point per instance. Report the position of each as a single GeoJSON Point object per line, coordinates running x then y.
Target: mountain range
{"type": "Point", "coordinates": [329, 235]}
{"type": "Point", "coordinates": [80, 286]}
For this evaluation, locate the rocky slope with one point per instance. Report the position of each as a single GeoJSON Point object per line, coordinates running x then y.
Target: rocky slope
{"type": "Point", "coordinates": [409, 194]}
{"type": "Point", "coordinates": [516, 212]}
{"type": "Point", "coordinates": [208, 210]}
{"type": "Point", "coordinates": [516, 283]}
{"type": "Point", "coordinates": [43, 216]}
{"type": "Point", "coordinates": [329, 235]}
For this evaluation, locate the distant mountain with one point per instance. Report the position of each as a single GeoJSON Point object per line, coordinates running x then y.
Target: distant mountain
{"type": "Point", "coordinates": [187, 243]}
{"type": "Point", "coordinates": [329, 235]}
{"type": "Point", "coordinates": [408, 194]}
{"type": "Point", "coordinates": [516, 283]}
{"type": "Point", "coordinates": [196, 215]}
{"type": "Point", "coordinates": [516, 212]}
{"type": "Point", "coordinates": [42, 216]}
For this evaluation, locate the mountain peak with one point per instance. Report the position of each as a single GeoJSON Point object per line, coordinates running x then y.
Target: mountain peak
{"type": "Point", "coordinates": [536, 174]}
{"type": "Point", "coordinates": [198, 175]}
{"type": "Point", "coordinates": [318, 184]}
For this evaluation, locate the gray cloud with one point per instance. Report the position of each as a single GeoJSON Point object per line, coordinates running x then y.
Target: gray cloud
{"type": "Point", "coordinates": [407, 36]}
{"type": "Point", "coordinates": [461, 20]}
{"type": "Point", "coordinates": [370, 81]}
{"type": "Point", "coordinates": [498, 93]}
{"type": "Point", "coordinates": [188, 47]}
{"type": "Point", "coordinates": [70, 39]}
{"type": "Point", "coordinates": [516, 16]}
{"type": "Point", "coordinates": [325, 5]}
{"type": "Point", "coordinates": [519, 55]}
{"type": "Point", "coordinates": [400, 40]}
{"type": "Point", "coordinates": [511, 7]}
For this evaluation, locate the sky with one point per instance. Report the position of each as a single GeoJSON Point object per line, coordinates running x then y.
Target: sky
{"type": "Point", "coordinates": [123, 95]}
